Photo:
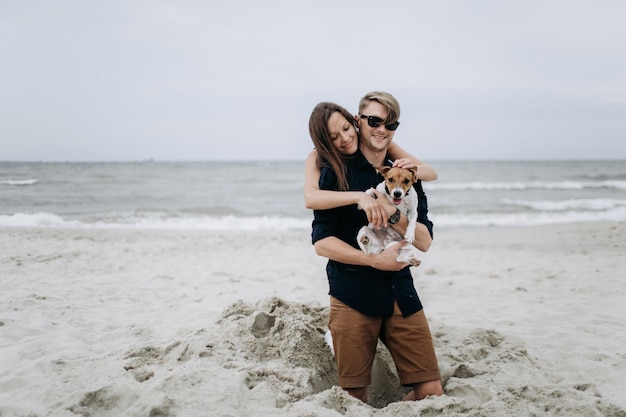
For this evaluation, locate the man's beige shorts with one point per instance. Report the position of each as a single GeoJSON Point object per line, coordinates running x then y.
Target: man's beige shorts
{"type": "Point", "coordinates": [355, 336]}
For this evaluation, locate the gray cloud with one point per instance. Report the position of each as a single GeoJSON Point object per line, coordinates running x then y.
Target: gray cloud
{"type": "Point", "coordinates": [185, 80]}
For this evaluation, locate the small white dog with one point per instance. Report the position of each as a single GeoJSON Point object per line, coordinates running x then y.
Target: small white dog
{"type": "Point", "coordinates": [398, 188]}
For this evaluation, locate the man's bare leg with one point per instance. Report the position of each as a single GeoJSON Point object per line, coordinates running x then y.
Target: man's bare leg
{"type": "Point", "coordinates": [423, 390]}
{"type": "Point", "coordinates": [359, 393]}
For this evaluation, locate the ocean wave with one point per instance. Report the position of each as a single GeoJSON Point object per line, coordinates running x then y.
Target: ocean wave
{"type": "Point", "coordinates": [19, 182]}
{"type": "Point", "coordinates": [524, 219]}
{"type": "Point", "coordinates": [536, 185]}
{"type": "Point", "coordinates": [261, 223]}
{"type": "Point", "coordinates": [597, 204]}
{"type": "Point", "coordinates": [155, 221]}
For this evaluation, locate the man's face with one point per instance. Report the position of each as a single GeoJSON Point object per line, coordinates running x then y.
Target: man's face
{"type": "Point", "coordinates": [375, 138]}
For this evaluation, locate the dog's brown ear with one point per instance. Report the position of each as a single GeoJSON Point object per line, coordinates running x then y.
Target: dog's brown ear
{"type": "Point", "coordinates": [413, 171]}
{"type": "Point", "coordinates": [383, 170]}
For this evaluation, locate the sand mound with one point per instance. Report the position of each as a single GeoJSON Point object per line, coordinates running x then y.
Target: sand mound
{"type": "Point", "coordinates": [281, 346]}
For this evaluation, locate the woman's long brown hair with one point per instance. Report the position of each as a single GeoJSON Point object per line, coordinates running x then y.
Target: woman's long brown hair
{"type": "Point", "coordinates": [327, 154]}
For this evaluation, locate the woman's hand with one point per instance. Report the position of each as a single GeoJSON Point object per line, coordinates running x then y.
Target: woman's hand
{"type": "Point", "coordinates": [424, 172]}
{"type": "Point", "coordinates": [404, 163]}
{"type": "Point", "coordinates": [374, 208]}
{"type": "Point", "coordinates": [379, 209]}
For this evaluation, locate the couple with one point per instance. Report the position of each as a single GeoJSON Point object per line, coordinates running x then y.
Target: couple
{"type": "Point", "coordinates": [371, 296]}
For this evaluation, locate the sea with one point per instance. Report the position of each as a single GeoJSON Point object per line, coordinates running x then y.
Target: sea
{"type": "Point", "coordinates": [266, 195]}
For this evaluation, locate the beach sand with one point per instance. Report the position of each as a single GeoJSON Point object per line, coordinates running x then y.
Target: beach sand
{"type": "Point", "coordinates": [526, 322]}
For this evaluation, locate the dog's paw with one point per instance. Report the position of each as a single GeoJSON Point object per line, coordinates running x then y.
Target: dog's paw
{"type": "Point", "coordinates": [363, 239]}
{"type": "Point", "coordinates": [370, 192]}
{"type": "Point", "coordinates": [409, 237]}
{"type": "Point", "coordinates": [414, 262]}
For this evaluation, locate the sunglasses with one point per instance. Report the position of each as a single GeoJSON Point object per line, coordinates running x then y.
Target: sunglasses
{"type": "Point", "coordinates": [373, 121]}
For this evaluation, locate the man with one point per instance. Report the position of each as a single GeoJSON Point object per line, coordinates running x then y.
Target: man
{"type": "Point", "coordinates": [373, 296]}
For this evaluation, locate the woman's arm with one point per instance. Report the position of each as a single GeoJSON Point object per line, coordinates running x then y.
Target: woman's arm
{"type": "Point", "coordinates": [403, 159]}
{"type": "Point", "coordinates": [317, 199]}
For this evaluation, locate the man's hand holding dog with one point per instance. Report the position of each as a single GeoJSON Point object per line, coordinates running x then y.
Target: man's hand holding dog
{"type": "Point", "coordinates": [386, 260]}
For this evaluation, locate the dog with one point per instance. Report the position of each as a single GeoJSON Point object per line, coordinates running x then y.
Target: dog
{"type": "Point", "coordinates": [398, 188]}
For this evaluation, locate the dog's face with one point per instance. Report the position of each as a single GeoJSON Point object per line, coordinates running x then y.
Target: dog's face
{"type": "Point", "coordinates": [398, 181]}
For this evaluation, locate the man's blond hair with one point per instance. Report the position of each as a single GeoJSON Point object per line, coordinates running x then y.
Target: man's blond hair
{"type": "Point", "coordinates": [387, 100]}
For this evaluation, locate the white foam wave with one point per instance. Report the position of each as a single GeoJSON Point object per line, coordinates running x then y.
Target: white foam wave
{"type": "Point", "coordinates": [528, 218]}
{"type": "Point", "coordinates": [36, 220]}
{"type": "Point", "coordinates": [542, 185]}
{"type": "Point", "coordinates": [600, 204]}
{"type": "Point", "coordinates": [19, 182]}
{"type": "Point", "coordinates": [154, 221]}
{"type": "Point", "coordinates": [238, 223]}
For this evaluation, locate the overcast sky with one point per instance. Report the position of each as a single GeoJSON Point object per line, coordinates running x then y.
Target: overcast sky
{"type": "Point", "coordinates": [219, 80]}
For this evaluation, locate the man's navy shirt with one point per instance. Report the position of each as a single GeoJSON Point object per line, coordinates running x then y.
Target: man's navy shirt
{"type": "Point", "coordinates": [368, 290]}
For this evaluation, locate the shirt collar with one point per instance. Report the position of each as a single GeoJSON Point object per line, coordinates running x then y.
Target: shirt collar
{"type": "Point", "coordinates": [360, 161]}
